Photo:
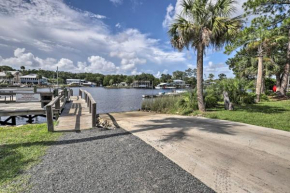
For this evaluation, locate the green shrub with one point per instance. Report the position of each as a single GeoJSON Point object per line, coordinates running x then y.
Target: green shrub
{"type": "Point", "coordinates": [264, 98]}
{"type": "Point", "coordinates": [211, 101]}
{"type": "Point", "coordinates": [162, 104]}
{"type": "Point", "coordinates": [238, 90]}
{"type": "Point", "coordinates": [189, 100]}
{"type": "Point", "coordinates": [247, 98]}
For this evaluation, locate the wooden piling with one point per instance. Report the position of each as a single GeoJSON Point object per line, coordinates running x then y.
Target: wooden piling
{"type": "Point", "coordinates": [94, 115]}
{"type": "Point", "coordinates": [49, 118]}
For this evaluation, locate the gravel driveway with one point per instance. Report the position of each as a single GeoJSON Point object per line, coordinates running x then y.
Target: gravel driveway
{"type": "Point", "coordinates": [109, 161]}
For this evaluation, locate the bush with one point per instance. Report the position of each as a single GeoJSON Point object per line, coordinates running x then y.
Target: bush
{"type": "Point", "coordinates": [264, 98]}
{"type": "Point", "coordinates": [189, 100]}
{"type": "Point", "coordinates": [163, 104]}
{"type": "Point", "coordinates": [211, 101]}
{"type": "Point", "coordinates": [238, 90]}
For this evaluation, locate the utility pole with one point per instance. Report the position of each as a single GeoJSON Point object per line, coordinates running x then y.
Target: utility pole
{"type": "Point", "coordinates": [57, 75]}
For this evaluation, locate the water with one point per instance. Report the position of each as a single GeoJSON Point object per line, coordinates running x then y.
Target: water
{"type": "Point", "coordinates": [118, 100]}
{"type": "Point", "coordinates": [108, 100]}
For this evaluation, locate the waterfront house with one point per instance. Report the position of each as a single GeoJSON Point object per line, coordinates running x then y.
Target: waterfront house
{"type": "Point", "coordinates": [74, 81]}
{"type": "Point", "coordinates": [14, 80]}
{"type": "Point", "coordinates": [32, 79]}
{"type": "Point", "coordinates": [142, 84]}
{"type": "Point", "coordinates": [122, 84]}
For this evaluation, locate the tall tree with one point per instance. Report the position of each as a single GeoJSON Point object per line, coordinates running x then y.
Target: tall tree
{"type": "Point", "coordinates": [201, 24]}
{"type": "Point", "coordinates": [222, 76]}
{"type": "Point", "coordinates": [211, 77]}
{"type": "Point", "coordinates": [9, 76]}
{"type": "Point", "coordinates": [22, 68]}
{"type": "Point", "coordinates": [255, 37]}
{"type": "Point", "coordinates": [278, 11]}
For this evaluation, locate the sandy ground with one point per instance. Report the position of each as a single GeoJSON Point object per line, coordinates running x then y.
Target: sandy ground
{"type": "Point", "coordinates": [226, 156]}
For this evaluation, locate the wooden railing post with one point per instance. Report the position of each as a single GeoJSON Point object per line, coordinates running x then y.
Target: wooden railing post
{"type": "Point", "coordinates": [90, 105]}
{"type": "Point", "coordinates": [94, 114]}
{"type": "Point", "coordinates": [65, 93]}
{"type": "Point", "coordinates": [49, 118]}
{"type": "Point", "coordinates": [80, 93]}
{"type": "Point", "coordinates": [57, 104]}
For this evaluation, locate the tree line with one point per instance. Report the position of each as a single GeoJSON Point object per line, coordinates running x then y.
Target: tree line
{"type": "Point", "coordinates": [263, 47]}
{"type": "Point", "coordinates": [189, 76]}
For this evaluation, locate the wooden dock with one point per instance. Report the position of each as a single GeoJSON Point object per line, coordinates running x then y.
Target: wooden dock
{"type": "Point", "coordinates": [75, 116]}
{"type": "Point", "coordinates": [74, 113]}
{"type": "Point", "coordinates": [79, 114]}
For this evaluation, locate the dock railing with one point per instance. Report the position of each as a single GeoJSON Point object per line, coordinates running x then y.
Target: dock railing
{"type": "Point", "coordinates": [63, 96]}
{"type": "Point", "coordinates": [91, 103]}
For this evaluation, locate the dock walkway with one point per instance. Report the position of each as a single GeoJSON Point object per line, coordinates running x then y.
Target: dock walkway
{"type": "Point", "coordinates": [75, 116]}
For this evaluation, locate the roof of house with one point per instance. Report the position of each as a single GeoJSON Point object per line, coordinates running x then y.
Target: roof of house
{"type": "Point", "coordinates": [178, 81]}
{"type": "Point", "coordinates": [2, 74]}
{"type": "Point", "coordinates": [32, 76]}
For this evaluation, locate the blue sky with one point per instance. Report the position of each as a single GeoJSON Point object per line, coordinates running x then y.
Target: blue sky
{"type": "Point", "coordinates": [100, 36]}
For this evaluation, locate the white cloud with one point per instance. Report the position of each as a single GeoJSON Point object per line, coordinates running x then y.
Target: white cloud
{"type": "Point", "coordinates": [52, 29]}
{"type": "Point", "coordinates": [100, 64]}
{"type": "Point", "coordinates": [158, 75]}
{"type": "Point", "coordinates": [96, 64]}
{"type": "Point", "coordinates": [117, 2]}
{"type": "Point", "coordinates": [217, 68]}
{"type": "Point", "coordinates": [191, 66]}
{"type": "Point", "coordinates": [169, 16]}
{"type": "Point", "coordinates": [19, 52]}
{"type": "Point", "coordinates": [173, 12]}
{"type": "Point", "coordinates": [118, 25]}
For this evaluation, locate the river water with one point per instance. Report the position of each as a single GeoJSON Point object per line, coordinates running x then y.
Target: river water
{"type": "Point", "coordinates": [108, 100]}
{"type": "Point", "coordinates": [118, 100]}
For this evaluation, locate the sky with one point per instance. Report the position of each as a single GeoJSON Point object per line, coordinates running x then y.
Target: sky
{"type": "Point", "coordinates": [99, 36]}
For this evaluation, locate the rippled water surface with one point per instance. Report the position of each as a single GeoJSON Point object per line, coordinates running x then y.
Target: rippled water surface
{"type": "Point", "coordinates": [118, 100]}
{"type": "Point", "coordinates": [108, 100]}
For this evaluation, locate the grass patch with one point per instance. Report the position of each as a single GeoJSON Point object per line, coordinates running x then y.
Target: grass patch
{"type": "Point", "coordinates": [274, 114]}
{"type": "Point", "coordinates": [20, 148]}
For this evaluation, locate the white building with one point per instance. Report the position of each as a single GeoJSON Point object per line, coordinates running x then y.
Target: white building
{"type": "Point", "coordinates": [14, 80]}
{"type": "Point", "coordinates": [179, 82]}
{"type": "Point", "coordinates": [74, 81]}
{"type": "Point", "coordinates": [32, 79]}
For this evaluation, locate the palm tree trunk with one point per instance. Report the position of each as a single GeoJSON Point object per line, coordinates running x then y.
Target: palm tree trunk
{"type": "Point", "coordinates": [260, 74]}
{"type": "Point", "coordinates": [199, 84]}
{"type": "Point", "coordinates": [278, 82]}
{"type": "Point", "coordinates": [284, 81]}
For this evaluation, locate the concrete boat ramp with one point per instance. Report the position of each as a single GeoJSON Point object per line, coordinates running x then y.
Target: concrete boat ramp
{"type": "Point", "coordinates": [226, 156]}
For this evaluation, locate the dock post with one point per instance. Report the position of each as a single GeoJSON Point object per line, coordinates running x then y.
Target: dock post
{"type": "Point", "coordinates": [90, 105]}
{"type": "Point", "coordinates": [34, 89]}
{"type": "Point", "coordinates": [94, 114]}
{"type": "Point", "coordinates": [49, 118]}
{"type": "Point", "coordinates": [65, 93]}
{"type": "Point", "coordinates": [13, 120]}
{"type": "Point", "coordinates": [57, 104]}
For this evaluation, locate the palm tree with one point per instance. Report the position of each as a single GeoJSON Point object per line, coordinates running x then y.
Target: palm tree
{"type": "Point", "coordinates": [9, 76]}
{"type": "Point", "coordinates": [202, 24]}
{"type": "Point", "coordinates": [22, 68]}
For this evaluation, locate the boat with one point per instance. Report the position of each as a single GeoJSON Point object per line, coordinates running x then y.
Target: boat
{"type": "Point", "coordinates": [165, 86]}
{"type": "Point", "coordinates": [180, 91]}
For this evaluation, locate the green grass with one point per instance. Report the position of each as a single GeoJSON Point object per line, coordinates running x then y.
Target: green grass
{"type": "Point", "coordinates": [20, 148]}
{"type": "Point", "coordinates": [274, 114]}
